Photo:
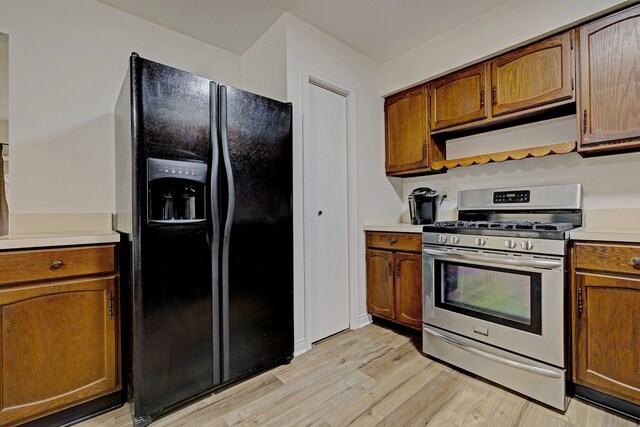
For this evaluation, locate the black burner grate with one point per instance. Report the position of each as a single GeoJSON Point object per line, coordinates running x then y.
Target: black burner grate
{"type": "Point", "coordinates": [507, 225]}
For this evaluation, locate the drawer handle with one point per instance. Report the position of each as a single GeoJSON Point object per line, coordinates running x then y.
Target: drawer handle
{"type": "Point", "coordinates": [56, 264]}
{"type": "Point", "coordinates": [636, 261]}
{"type": "Point", "coordinates": [393, 240]}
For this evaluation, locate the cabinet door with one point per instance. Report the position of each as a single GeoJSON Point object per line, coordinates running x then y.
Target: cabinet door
{"type": "Point", "coordinates": [380, 283]}
{"type": "Point", "coordinates": [459, 98]}
{"type": "Point", "coordinates": [406, 130]}
{"type": "Point", "coordinates": [57, 346]}
{"type": "Point", "coordinates": [535, 75]}
{"type": "Point", "coordinates": [607, 335]}
{"type": "Point", "coordinates": [409, 289]}
{"type": "Point", "coordinates": [608, 107]}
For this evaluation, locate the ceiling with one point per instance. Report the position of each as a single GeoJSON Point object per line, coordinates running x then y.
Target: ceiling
{"type": "Point", "coordinates": [380, 29]}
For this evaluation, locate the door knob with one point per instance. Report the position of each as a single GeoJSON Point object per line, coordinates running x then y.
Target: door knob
{"type": "Point", "coordinates": [319, 213]}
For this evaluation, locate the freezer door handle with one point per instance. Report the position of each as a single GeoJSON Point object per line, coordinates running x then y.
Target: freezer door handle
{"type": "Point", "coordinates": [509, 362]}
{"type": "Point", "coordinates": [227, 231]}
{"type": "Point", "coordinates": [215, 227]}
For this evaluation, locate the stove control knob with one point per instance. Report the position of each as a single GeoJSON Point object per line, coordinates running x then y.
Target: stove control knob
{"type": "Point", "coordinates": [528, 245]}
{"type": "Point", "coordinates": [481, 241]}
{"type": "Point", "coordinates": [510, 244]}
{"type": "Point", "coordinates": [442, 238]}
{"type": "Point", "coordinates": [454, 239]}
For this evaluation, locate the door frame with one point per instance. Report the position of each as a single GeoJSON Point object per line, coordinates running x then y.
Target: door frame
{"type": "Point", "coordinates": [310, 77]}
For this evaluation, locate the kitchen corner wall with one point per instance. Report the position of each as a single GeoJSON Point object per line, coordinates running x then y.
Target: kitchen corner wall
{"type": "Point", "coordinates": [264, 64]}
{"type": "Point", "coordinates": [67, 62]}
{"type": "Point", "coordinates": [378, 198]}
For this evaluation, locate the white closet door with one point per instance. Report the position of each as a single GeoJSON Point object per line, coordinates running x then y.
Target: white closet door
{"type": "Point", "coordinates": [326, 216]}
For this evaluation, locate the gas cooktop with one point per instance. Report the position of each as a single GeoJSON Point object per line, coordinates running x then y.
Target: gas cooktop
{"type": "Point", "coordinates": [544, 230]}
{"type": "Point", "coordinates": [539, 212]}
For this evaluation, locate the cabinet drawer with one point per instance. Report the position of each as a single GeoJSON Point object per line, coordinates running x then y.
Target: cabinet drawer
{"type": "Point", "coordinates": [409, 242]}
{"type": "Point", "coordinates": [46, 264]}
{"type": "Point", "coordinates": [612, 258]}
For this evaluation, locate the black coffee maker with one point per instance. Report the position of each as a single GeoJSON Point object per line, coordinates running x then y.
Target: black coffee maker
{"type": "Point", "coordinates": [422, 205]}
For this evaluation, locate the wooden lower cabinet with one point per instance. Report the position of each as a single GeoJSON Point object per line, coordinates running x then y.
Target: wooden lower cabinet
{"type": "Point", "coordinates": [380, 283]}
{"type": "Point", "coordinates": [607, 321]}
{"type": "Point", "coordinates": [408, 306]}
{"type": "Point", "coordinates": [59, 345]}
{"type": "Point", "coordinates": [394, 279]}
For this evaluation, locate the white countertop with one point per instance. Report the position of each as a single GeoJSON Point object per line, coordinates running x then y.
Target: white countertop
{"type": "Point", "coordinates": [606, 234]}
{"type": "Point", "coordinates": [394, 228]}
{"type": "Point", "coordinates": [40, 240]}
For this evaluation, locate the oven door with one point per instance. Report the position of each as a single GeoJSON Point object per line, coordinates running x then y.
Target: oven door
{"type": "Point", "coordinates": [508, 300]}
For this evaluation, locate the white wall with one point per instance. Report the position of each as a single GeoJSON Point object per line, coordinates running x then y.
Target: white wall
{"type": "Point", "coordinates": [610, 183]}
{"type": "Point", "coordinates": [509, 24]}
{"type": "Point", "coordinates": [310, 50]}
{"type": "Point", "coordinates": [4, 89]}
{"type": "Point", "coordinates": [4, 77]}
{"type": "Point", "coordinates": [264, 64]}
{"type": "Point", "coordinates": [67, 62]}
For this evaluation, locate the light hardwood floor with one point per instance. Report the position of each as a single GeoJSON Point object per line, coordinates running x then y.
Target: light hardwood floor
{"type": "Point", "coordinates": [372, 376]}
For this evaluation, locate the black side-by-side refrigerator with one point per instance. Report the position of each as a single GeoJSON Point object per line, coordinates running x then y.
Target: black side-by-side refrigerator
{"type": "Point", "coordinates": [204, 207]}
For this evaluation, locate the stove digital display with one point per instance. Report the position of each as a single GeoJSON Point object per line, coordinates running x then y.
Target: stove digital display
{"type": "Point", "coordinates": [521, 196]}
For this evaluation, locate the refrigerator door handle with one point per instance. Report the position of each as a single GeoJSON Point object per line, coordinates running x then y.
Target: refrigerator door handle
{"type": "Point", "coordinates": [227, 232]}
{"type": "Point", "coordinates": [215, 229]}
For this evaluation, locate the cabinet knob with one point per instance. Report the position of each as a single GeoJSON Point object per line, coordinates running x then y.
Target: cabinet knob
{"type": "Point", "coordinates": [56, 264]}
{"type": "Point", "coordinates": [393, 240]}
{"type": "Point", "coordinates": [636, 261]}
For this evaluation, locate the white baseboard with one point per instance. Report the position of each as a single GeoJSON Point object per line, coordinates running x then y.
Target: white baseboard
{"type": "Point", "coordinates": [364, 320]}
{"type": "Point", "coordinates": [300, 347]}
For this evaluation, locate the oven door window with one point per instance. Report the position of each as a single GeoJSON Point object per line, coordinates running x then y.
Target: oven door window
{"type": "Point", "coordinates": [502, 296]}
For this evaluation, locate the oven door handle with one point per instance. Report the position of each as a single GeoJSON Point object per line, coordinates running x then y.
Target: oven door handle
{"type": "Point", "coordinates": [539, 263]}
{"type": "Point", "coordinates": [513, 363]}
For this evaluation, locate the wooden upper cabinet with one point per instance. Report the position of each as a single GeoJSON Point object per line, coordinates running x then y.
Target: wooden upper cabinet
{"type": "Point", "coordinates": [380, 283]}
{"type": "Point", "coordinates": [406, 130]}
{"type": "Point", "coordinates": [58, 346]}
{"type": "Point", "coordinates": [609, 58]}
{"type": "Point", "coordinates": [459, 98]}
{"type": "Point", "coordinates": [538, 74]}
{"type": "Point", "coordinates": [408, 270]}
{"type": "Point", "coordinates": [607, 351]}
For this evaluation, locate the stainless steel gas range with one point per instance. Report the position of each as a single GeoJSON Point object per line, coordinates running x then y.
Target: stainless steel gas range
{"type": "Point", "coordinates": [494, 285]}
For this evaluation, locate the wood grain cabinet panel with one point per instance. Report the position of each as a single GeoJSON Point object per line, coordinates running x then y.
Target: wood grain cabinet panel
{"type": "Point", "coordinates": [407, 242]}
{"type": "Point", "coordinates": [380, 283]}
{"type": "Point", "coordinates": [44, 264]}
{"type": "Point", "coordinates": [538, 74]}
{"type": "Point", "coordinates": [608, 257]}
{"type": "Point", "coordinates": [607, 351]}
{"type": "Point", "coordinates": [394, 277]}
{"type": "Point", "coordinates": [608, 107]}
{"type": "Point", "coordinates": [459, 98]}
{"type": "Point", "coordinates": [406, 130]}
{"type": "Point", "coordinates": [58, 346]}
{"type": "Point", "coordinates": [408, 289]}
